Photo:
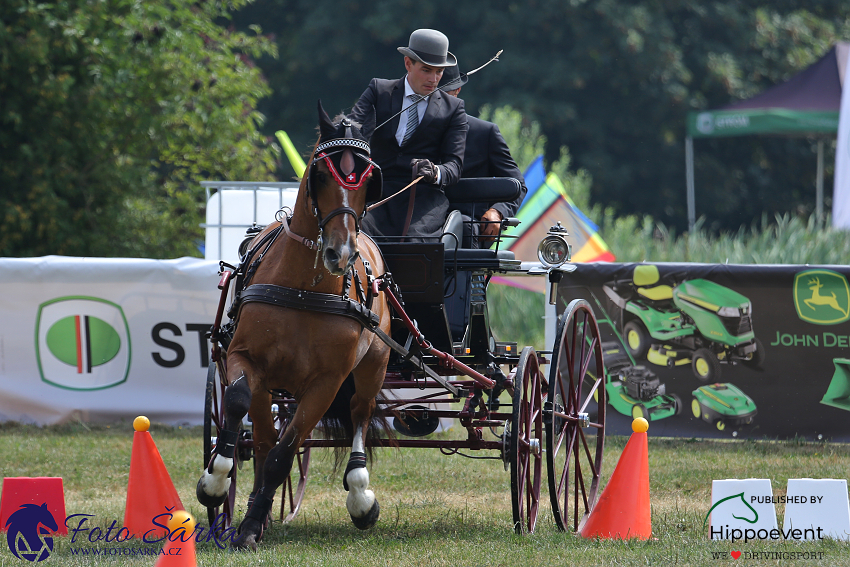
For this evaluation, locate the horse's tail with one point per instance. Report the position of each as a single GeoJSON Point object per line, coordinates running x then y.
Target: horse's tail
{"type": "Point", "coordinates": [337, 425]}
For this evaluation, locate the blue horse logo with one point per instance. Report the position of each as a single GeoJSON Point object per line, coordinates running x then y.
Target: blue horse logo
{"type": "Point", "coordinates": [28, 532]}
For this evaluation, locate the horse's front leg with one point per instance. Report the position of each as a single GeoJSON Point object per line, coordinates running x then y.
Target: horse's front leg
{"type": "Point", "coordinates": [276, 469]}
{"type": "Point", "coordinates": [361, 502]}
{"type": "Point", "coordinates": [214, 484]}
{"type": "Point", "coordinates": [265, 438]}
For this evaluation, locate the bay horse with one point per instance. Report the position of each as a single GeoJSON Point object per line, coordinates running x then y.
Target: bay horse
{"type": "Point", "coordinates": [305, 352]}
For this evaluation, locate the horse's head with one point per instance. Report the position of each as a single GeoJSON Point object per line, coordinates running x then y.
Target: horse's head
{"type": "Point", "coordinates": [340, 180]}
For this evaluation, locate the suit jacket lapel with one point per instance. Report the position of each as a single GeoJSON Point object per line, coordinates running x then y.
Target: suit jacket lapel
{"type": "Point", "coordinates": [397, 100]}
{"type": "Point", "coordinates": [434, 109]}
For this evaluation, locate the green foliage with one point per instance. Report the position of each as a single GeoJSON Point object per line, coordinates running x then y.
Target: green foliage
{"type": "Point", "coordinates": [517, 315]}
{"type": "Point", "coordinates": [787, 240]}
{"type": "Point", "coordinates": [112, 112]}
{"type": "Point", "coordinates": [612, 80]}
{"type": "Point", "coordinates": [526, 142]}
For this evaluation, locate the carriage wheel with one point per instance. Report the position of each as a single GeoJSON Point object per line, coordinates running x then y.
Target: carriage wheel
{"type": "Point", "coordinates": [292, 490]}
{"type": "Point", "coordinates": [573, 419]}
{"type": "Point", "coordinates": [526, 433]}
{"type": "Point", "coordinates": [213, 424]}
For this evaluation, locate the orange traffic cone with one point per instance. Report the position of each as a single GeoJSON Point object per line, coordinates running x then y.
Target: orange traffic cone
{"type": "Point", "coordinates": [150, 492]}
{"type": "Point", "coordinates": [179, 548]}
{"type": "Point", "coordinates": [623, 509]}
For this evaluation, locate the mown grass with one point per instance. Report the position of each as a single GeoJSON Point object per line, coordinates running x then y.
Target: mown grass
{"type": "Point", "coordinates": [436, 510]}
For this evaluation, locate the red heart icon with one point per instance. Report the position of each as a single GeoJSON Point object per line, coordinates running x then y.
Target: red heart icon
{"type": "Point", "coordinates": [736, 554]}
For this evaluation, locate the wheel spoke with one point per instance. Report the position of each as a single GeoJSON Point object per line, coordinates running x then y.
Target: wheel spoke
{"type": "Point", "coordinates": [567, 453]}
{"type": "Point", "coordinates": [590, 395]}
{"type": "Point", "coordinates": [587, 453]}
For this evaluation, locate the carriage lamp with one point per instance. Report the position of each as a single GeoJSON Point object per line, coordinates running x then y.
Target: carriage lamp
{"type": "Point", "coordinates": [554, 249]}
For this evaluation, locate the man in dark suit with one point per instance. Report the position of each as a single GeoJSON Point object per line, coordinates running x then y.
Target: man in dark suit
{"type": "Point", "coordinates": [486, 155]}
{"type": "Point", "coordinates": [427, 139]}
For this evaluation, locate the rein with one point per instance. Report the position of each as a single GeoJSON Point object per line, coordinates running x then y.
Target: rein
{"type": "Point", "coordinates": [284, 221]}
{"type": "Point", "coordinates": [379, 203]}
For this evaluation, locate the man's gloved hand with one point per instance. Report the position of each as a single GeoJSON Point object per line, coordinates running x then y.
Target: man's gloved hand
{"type": "Point", "coordinates": [424, 168]}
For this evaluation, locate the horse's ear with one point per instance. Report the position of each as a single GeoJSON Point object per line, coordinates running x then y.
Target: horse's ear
{"type": "Point", "coordinates": [326, 127]}
{"type": "Point", "coordinates": [368, 127]}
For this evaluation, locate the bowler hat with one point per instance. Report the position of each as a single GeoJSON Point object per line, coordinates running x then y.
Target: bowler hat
{"type": "Point", "coordinates": [452, 79]}
{"type": "Point", "coordinates": [429, 47]}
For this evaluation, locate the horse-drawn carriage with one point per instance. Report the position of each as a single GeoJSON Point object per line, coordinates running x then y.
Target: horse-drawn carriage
{"type": "Point", "coordinates": [326, 325]}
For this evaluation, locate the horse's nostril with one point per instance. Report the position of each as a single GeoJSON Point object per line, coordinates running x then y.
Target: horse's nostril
{"type": "Point", "coordinates": [331, 256]}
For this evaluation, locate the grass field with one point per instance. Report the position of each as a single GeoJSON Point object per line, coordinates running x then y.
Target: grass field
{"type": "Point", "coordinates": [436, 510]}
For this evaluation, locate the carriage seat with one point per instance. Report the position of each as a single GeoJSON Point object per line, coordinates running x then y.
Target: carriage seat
{"type": "Point", "coordinates": [484, 190]}
{"type": "Point", "coordinates": [463, 197]}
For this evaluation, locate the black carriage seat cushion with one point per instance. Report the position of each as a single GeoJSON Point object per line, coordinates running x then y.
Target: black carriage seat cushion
{"type": "Point", "coordinates": [484, 190]}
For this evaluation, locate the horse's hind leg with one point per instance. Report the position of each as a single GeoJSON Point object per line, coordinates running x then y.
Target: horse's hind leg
{"type": "Point", "coordinates": [214, 484]}
{"type": "Point", "coordinates": [361, 502]}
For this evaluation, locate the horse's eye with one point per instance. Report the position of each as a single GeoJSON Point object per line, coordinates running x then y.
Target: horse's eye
{"type": "Point", "coordinates": [321, 177]}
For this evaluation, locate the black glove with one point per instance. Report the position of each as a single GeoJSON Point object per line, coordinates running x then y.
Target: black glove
{"type": "Point", "coordinates": [424, 168]}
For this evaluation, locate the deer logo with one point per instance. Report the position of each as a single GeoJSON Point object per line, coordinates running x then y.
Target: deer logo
{"type": "Point", "coordinates": [822, 297]}
{"type": "Point", "coordinates": [818, 299]}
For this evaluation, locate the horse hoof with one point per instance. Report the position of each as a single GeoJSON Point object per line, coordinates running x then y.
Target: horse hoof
{"type": "Point", "coordinates": [369, 520]}
{"type": "Point", "coordinates": [249, 534]}
{"type": "Point", "coordinates": [244, 542]}
{"type": "Point", "coordinates": [209, 500]}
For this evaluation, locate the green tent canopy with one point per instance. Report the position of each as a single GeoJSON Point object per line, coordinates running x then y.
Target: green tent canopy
{"type": "Point", "coordinates": [807, 104]}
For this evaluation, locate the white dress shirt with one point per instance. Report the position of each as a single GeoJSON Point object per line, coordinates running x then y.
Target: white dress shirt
{"type": "Point", "coordinates": [421, 107]}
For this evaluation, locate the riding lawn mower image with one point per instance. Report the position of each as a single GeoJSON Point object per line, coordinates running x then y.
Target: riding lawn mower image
{"type": "Point", "coordinates": [675, 323]}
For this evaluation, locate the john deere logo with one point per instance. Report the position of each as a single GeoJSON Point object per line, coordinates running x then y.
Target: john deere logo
{"type": "Point", "coordinates": [82, 343]}
{"type": "Point", "coordinates": [822, 297]}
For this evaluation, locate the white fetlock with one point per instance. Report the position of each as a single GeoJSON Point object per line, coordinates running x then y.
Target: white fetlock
{"type": "Point", "coordinates": [360, 499]}
{"type": "Point", "coordinates": [218, 482]}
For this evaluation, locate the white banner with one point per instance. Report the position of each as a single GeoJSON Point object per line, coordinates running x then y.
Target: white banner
{"type": "Point", "coordinates": [841, 191]}
{"type": "Point", "coordinates": [105, 339]}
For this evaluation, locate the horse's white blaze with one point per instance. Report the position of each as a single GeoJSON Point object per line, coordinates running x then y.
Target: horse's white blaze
{"type": "Point", "coordinates": [218, 482]}
{"type": "Point", "coordinates": [360, 499]}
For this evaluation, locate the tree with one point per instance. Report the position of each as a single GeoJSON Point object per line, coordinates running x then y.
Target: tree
{"type": "Point", "coordinates": [610, 79]}
{"type": "Point", "coordinates": [112, 111]}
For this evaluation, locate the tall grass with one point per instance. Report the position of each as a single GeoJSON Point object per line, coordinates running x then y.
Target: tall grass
{"type": "Point", "coordinates": [786, 240]}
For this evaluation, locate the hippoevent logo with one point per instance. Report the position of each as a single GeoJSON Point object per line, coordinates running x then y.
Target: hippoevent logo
{"type": "Point", "coordinates": [739, 506]}
{"type": "Point", "coordinates": [28, 530]}
{"type": "Point", "coordinates": [748, 513]}
{"type": "Point", "coordinates": [82, 343]}
{"type": "Point", "coordinates": [822, 297]}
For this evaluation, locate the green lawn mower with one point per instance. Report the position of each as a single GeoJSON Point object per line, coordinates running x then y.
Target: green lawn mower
{"type": "Point", "coordinates": [696, 322]}
{"type": "Point", "coordinates": [635, 390]}
{"type": "Point", "coordinates": [723, 405]}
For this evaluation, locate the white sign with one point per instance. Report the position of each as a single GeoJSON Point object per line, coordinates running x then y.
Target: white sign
{"type": "Point", "coordinates": [818, 507]}
{"type": "Point", "coordinates": [103, 339]}
{"type": "Point", "coordinates": [741, 507]}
